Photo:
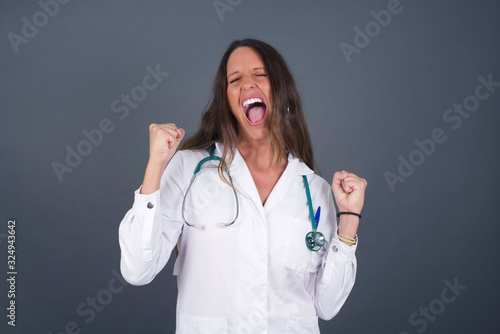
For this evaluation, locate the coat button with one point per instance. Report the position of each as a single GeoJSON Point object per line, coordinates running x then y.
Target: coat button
{"type": "Point", "coordinates": [335, 249]}
{"type": "Point", "coordinates": [150, 205]}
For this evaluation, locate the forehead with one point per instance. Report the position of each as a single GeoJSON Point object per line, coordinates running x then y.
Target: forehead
{"type": "Point", "coordinates": [242, 57]}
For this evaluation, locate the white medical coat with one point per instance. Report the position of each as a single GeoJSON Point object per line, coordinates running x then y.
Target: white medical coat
{"type": "Point", "coordinates": [255, 276]}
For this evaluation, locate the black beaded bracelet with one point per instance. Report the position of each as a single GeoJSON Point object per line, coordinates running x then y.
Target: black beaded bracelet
{"type": "Point", "coordinates": [348, 213]}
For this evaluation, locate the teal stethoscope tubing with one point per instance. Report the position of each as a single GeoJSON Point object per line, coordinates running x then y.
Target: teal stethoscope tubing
{"type": "Point", "coordinates": [198, 168]}
{"type": "Point", "coordinates": [314, 239]}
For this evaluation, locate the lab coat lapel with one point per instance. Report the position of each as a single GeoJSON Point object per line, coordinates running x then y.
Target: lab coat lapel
{"type": "Point", "coordinates": [242, 178]}
{"type": "Point", "coordinates": [289, 183]}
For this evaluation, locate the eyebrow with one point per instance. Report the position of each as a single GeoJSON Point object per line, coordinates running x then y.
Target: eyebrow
{"type": "Point", "coordinates": [255, 68]}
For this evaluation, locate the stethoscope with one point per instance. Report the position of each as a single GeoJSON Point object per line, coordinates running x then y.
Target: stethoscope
{"type": "Point", "coordinates": [196, 171]}
{"type": "Point", "coordinates": [314, 239]}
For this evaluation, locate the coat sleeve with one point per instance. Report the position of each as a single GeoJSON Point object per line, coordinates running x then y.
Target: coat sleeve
{"type": "Point", "coordinates": [336, 276]}
{"type": "Point", "coordinates": [150, 229]}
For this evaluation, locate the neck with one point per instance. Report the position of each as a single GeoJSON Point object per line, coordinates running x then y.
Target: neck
{"type": "Point", "coordinates": [258, 153]}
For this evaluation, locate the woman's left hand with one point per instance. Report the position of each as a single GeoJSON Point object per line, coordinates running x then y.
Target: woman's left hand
{"type": "Point", "coordinates": [349, 191]}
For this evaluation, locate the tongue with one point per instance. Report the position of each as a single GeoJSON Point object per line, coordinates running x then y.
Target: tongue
{"type": "Point", "coordinates": [256, 114]}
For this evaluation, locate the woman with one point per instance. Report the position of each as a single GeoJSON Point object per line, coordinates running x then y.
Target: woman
{"type": "Point", "coordinates": [247, 260]}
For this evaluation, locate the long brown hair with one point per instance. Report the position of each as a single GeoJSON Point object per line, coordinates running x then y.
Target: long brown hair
{"type": "Point", "coordinates": [286, 123]}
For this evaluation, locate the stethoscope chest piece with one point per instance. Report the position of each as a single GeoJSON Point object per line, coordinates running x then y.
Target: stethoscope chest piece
{"type": "Point", "coordinates": [315, 240]}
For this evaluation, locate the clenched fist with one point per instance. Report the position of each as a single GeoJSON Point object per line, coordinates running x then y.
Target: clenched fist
{"type": "Point", "coordinates": [349, 191]}
{"type": "Point", "coordinates": [163, 142]}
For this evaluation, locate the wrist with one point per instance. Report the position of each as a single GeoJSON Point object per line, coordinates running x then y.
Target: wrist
{"type": "Point", "coordinates": [157, 164]}
{"type": "Point", "coordinates": [349, 241]}
{"type": "Point", "coordinates": [346, 209]}
{"type": "Point", "coordinates": [348, 225]}
{"type": "Point", "coordinates": [152, 177]}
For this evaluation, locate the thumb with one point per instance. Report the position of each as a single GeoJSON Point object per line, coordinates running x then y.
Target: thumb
{"type": "Point", "coordinates": [180, 134]}
{"type": "Point", "coordinates": [337, 182]}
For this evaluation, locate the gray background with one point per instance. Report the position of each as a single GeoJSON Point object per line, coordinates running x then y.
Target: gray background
{"type": "Point", "coordinates": [440, 224]}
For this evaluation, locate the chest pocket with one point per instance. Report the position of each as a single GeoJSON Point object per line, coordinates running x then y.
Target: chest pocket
{"type": "Point", "coordinates": [297, 255]}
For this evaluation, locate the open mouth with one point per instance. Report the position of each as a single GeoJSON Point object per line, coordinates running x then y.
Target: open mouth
{"type": "Point", "coordinates": [255, 110]}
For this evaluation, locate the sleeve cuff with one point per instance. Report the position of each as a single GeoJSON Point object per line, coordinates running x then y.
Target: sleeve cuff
{"type": "Point", "coordinates": [145, 207]}
{"type": "Point", "coordinates": [341, 250]}
{"type": "Point", "coordinates": [144, 203]}
{"type": "Point", "coordinates": [339, 258]}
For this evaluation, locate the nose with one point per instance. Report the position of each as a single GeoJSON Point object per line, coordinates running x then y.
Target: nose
{"type": "Point", "coordinates": [247, 83]}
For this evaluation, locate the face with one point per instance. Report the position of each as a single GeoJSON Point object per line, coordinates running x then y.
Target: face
{"type": "Point", "coordinates": [249, 92]}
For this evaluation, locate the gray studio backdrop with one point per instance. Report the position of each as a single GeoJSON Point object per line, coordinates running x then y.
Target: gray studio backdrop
{"type": "Point", "coordinates": [404, 93]}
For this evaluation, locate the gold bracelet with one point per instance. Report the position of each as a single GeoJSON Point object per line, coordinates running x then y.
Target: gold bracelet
{"type": "Point", "coordinates": [346, 240]}
{"type": "Point", "coordinates": [346, 237]}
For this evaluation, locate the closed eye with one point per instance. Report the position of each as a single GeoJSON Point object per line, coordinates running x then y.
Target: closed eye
{"type": "Point", "coordinates": [236, 79]}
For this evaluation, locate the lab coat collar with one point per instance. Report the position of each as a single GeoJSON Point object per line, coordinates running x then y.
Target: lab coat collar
{"type": "Point", "coordinates": [300, 167]}
{"type": "Point", "coordinates": [286, 185]}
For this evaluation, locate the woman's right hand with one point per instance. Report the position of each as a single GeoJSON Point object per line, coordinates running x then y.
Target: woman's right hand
{"type": "Point", "coordinates": [163, 142]}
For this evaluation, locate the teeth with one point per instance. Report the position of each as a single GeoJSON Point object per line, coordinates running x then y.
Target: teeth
{"type": "Point", "coordinates": [250, 101]}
